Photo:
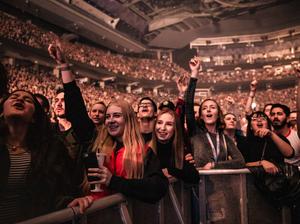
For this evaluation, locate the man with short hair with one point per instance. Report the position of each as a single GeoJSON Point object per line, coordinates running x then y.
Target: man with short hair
{"type": "Point", "coordinates": [64, 129]}
{"type": "Point", "coordinates": [97, 113]}
{"type": "Point", "coordinates": [279, 115]}
{"type": "Point", "coordinates": [146, 115]}
{"type": "Point", "coordinates": [63, 124]}
{"type": "Point", "coordinates": [293, 120]}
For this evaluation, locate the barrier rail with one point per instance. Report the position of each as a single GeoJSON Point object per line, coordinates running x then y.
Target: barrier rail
{"type": "Point", "coordinates": [116, 200]}
{"type": "Point", "coordinates": [223, 199]}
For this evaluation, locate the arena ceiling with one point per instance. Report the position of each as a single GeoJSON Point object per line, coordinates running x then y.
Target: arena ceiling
{"type": "Point", "coordinates": [138, 25]}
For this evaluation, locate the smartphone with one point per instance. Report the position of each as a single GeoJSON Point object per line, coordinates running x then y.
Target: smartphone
{"type": "Point", "coordinates": [90, 160]}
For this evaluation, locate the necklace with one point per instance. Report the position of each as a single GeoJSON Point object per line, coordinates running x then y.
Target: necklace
{"type": "Point", "coordinates": [16, 148]}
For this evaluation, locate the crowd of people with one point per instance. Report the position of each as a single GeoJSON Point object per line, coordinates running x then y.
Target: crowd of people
{"type": "Point", "coordinates": [144, 147]}
{"type": "Point", "coordinates": [238, 75]}
{"type": "Point", "coordinates": [34, 36]}
{"type": "Point", "coordinates": [152, 69]}
{"type": "Point", "coordinates": [44, 82]}
{"type": "Point", "coordinates": [97, 142]}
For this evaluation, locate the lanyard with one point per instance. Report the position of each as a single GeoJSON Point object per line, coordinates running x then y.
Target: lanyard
{"type": "Point", "coordinates": [216, 151]}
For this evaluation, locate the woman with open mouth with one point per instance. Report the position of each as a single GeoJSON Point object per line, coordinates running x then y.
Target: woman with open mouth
{"type": "Point", "coordinates": [210, 146]}
{"type": "Point", "coordinates": [35, 168]}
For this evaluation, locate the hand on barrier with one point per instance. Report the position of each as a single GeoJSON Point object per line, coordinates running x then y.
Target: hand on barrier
{"type": "Point", "coordinates": [269, 167]}
{"type": "Point", "coordinates": [83, 203]}
{"type": "Point", "coordinates": [208, 166]}
{"type": "Point", "coordinates": [102, 173]}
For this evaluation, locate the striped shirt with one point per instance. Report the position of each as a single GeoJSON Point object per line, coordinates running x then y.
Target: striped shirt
{"type": "Point", "coordinates": [14, 194]}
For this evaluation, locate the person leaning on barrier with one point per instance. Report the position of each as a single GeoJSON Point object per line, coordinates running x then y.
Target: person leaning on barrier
{"type": "Point", "coordinates": [168, 144]}
{"type": "Point", "coordinates": [132, 168]}
{"type": "Point", "coordinates": [264, 147]}
{"type": "Point", "coordinates": [34, 165]}
{"type": "Point", "coordinates": [211, 148]}
{"type": "Point", "coordinates": [265, 154]}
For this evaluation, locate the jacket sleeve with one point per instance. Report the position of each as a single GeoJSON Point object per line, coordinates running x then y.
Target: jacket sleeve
{"type": "Point", "coordinates": [189, 107]}
{"type": "Point", "coordinates": [187, 174]}
{"type": "Point", "coordinates": [236, 160]}
{"type": "Point", "coordinates": [151, 188]}
{"type": "Point", "coordinates": [77, 114]}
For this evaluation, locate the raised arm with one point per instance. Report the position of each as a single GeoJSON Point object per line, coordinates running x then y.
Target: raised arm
{"type": "Point", "coordinates": [253, 85]}
{"type": "Point", "coordinates": [76, 111]}
{"type": "Point", "coordinates": [182, 84]}
{"type": "Point", "coordinates": [190, 94]}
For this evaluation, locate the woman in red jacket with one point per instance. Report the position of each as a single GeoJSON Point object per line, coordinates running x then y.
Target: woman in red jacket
{"type": "Point", "coordinates": [130, 169]}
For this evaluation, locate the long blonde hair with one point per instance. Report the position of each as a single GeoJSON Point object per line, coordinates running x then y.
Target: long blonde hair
{"type": "Point", "coordinates": [133, 157]}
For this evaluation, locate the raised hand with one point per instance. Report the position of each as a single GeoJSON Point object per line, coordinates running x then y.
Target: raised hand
{"type": "Point", "coordinates": [230, 100]}
{"type": "Point", "coordinates": [56, 52]}
{"type": "Point", "coordinates": [182, 84]}
{"type": "Point", "coordinates": [195, 65]}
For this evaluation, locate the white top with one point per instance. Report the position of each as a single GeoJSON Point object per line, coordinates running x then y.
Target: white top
{"type": "Point", "coordinates": [295, 143]}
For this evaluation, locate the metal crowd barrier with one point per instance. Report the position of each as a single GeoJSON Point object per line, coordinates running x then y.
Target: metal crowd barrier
{"type": "Point", "coordinates": [116, 202]}
{"type": "Point", "coordinates": [226, 196]}
{"type": "Point", "coordinates": [230, 196]}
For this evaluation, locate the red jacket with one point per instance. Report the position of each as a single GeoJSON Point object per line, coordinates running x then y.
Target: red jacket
{"type": "Point", "coordinates": [115, 165]}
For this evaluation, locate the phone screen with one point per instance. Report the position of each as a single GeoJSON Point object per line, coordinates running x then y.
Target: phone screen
{"type": "Point", "coordinates": [91, 161]}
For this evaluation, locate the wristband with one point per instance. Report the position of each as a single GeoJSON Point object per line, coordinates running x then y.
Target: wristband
{"type": "Point", "coordinates": [64, 67]}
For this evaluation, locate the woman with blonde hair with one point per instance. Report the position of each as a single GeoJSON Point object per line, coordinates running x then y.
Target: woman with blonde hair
{"type": "Point", "coordinates": [130, 168]}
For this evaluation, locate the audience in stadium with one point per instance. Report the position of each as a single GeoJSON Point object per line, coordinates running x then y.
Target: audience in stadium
{"type": "Point", "coordinates": [142, 149]}
{"type": "Point", "coordinates": [152, 69]}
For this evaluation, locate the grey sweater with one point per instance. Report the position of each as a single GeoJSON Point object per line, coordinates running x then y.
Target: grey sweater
{"type": "Point", "coordinates": [201, 148]}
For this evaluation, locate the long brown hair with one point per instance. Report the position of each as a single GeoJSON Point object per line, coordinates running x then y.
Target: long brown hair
{"type": "Point", "coordinates": [220, 120]}
{"type": "Point", "coordinates": [177, 144]}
